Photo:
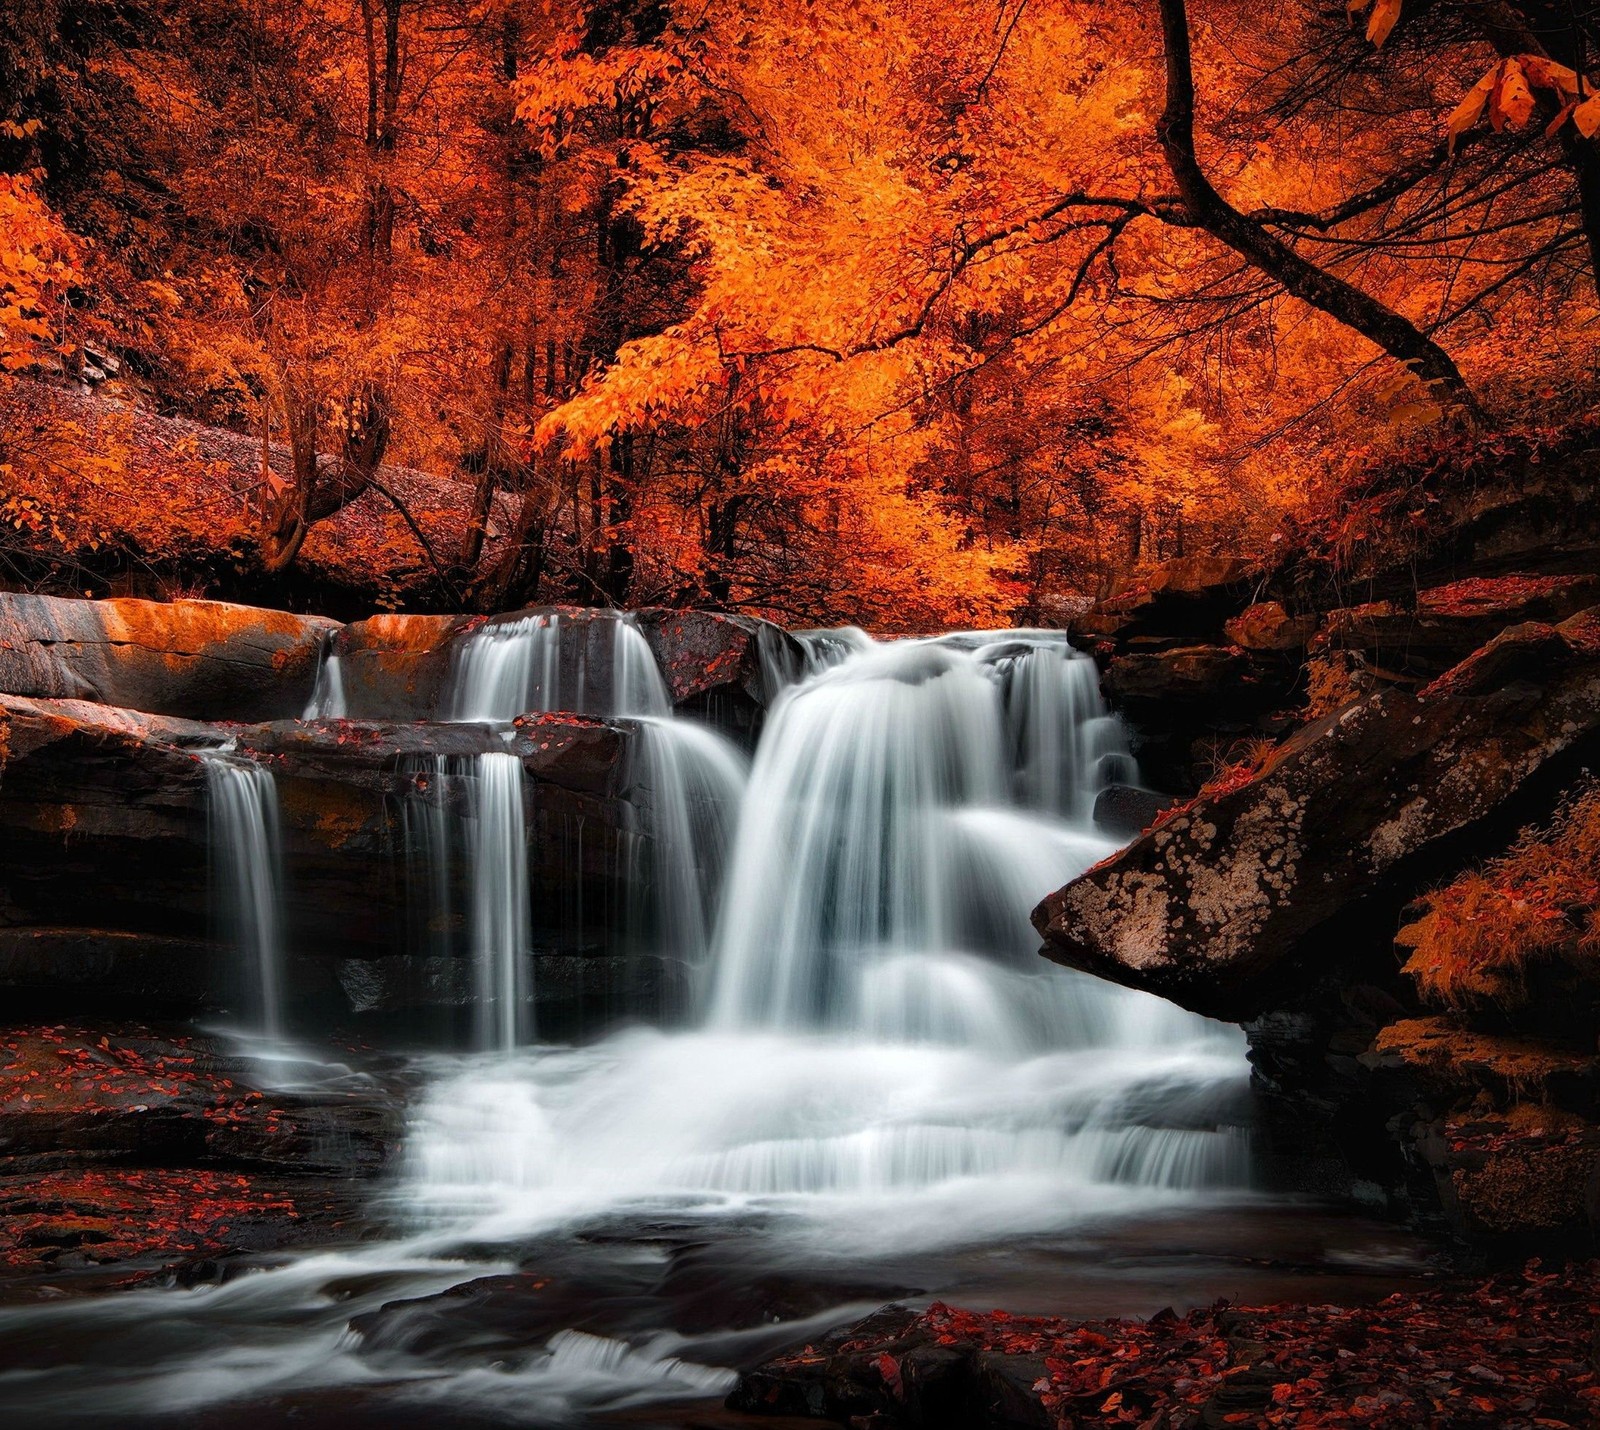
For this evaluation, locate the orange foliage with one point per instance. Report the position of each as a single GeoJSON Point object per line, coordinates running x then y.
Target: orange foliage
{"type": "Point", "coordinates": [869, 310]}
{"type": "Point", "coordinates": [1537, 904]}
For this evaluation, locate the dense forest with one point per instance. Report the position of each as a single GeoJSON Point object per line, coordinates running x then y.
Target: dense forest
{"type": "Point", "coordinates": [904, 313]}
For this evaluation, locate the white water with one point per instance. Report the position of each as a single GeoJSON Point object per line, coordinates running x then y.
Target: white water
{"type": "Point", "coordinates": [685, 778]}
{"type": "Point", "coordinates": [247, 877]}
{"type": "Point", "coordinates": [884, 1077]}
{"type": "Point", "coordinates": [883, 1054]}
{"type": "Point", "coordinates": [328, 700]}
{"type": "Point", "coordinates": [498, 844]}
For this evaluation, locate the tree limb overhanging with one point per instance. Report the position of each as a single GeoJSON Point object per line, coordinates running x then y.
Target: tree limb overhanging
{"type": "Point", "coordinates": [1209, 211]}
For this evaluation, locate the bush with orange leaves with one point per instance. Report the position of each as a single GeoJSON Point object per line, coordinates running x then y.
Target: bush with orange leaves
{"type": "Point", "coordinates": [1537, 905]}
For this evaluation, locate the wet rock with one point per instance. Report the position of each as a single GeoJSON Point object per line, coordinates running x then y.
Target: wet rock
{"type": "Point", "coordinates": [397, 667]}
{"type": "Point", "coordinates": [103, 813]}
{"type": "Point", "coordinates": [571, 992]}
{"type": "Point", "coordinates": [1210, 909]}
{"type": "Point", "coordinates": [722, 668]}
{"type": "Point", "coordinates": [203, 660]}
{"type": "Point", "coordinates": [125, 1144]}
{"type": "Point", "coordinates": [1143, 685]}
{"type": "Point", "coordinates": [1188, 699]}
{"type": "Point", "coordinates": [71, 1095]}
{"type": "Point", "coordinates": [1123, 811]}
{"type": "Point", "coordinates": [145, 974]}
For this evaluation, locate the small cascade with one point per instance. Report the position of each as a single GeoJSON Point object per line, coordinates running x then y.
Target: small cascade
{"type": "Point", "coordinates": [247, 876]}
{"type": "Point", "coordinates": [846, 845]}
{"type": "Point", "coordinates": [328, 700]}
{"type": "Point", "coordinates": [637, 687]}
{"type": "Point", "coordinates": [690, 781]}
{"type": "Point", "coordinates": [686, 778]}
{"type": "Point", "coordinates": [1065, 745]}
{"type": "Point", "coordinates": [501, 913]}
{"type": "Point", "coordinates": [504, 670]}
{"type": "Point", "coordinates": [430, 831]}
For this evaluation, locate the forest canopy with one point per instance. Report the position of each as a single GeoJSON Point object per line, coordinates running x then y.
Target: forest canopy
{"type": "Point", "coordinates": [886, 311]}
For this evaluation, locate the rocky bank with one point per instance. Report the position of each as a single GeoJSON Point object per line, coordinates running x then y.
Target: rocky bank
{"type": "Point", "coordinates": [1365, 724]}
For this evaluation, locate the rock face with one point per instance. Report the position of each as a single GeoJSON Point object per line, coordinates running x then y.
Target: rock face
{"type": "Point", "coordinates": [1431, 726]}
{"type": "Point", "coordinates": [103, 821]}
{"type": "Point", "coordinates": [397, 667]}
{"type": "Point", "coordinates": [202, 660]}
{"type": "Point", "coordinates": [1447, 623]}
{"type": "Point", "coordinates": [1211, 908]}
{"type": "Point", "coordinates": [104, 840]}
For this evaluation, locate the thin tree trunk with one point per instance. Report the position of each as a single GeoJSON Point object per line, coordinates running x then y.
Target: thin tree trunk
{"type": "Point", "coordinates": [1209, 211]}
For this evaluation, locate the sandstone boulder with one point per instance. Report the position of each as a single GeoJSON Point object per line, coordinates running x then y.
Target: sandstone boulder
{"type": "Point", "coordinates": [394, 667]}
{"type": "Point", "coordinates": [202, 660]}
{"type": "Point", "coordinates": [1268, 628]}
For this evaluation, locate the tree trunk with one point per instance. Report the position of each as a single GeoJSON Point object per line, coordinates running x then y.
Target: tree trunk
{"type": "Point", "coordinates": [1208, 210]}
{"type": "Point", "coordinates": [286, 514]}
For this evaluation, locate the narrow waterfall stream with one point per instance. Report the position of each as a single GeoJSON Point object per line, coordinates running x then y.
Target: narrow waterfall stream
{"type": "Point", "coordinates": [247, 879]}
{"type": "Point", "coordinates": [884, 1090]}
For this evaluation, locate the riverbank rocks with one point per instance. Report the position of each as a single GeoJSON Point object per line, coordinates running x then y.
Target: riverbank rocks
{"type": "Point", "coordinates": [134, 1146]}
{"type": "Point", "coordinates": [1513, 1350]}
{"type": "Point", "coordinates": [1447, 623]}
{"type": "Point", "coordinates": [201, 660]}
{"type": "Point", "coordinates": [1211, 907]}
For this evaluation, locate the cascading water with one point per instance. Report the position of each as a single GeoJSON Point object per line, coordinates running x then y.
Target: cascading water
{"type": "Point", "coordinates": [247, 876]}
{"type": "Point", "coordinates": [328, 700]}
{"type": "Point", "coordinates": [886, 1086]}
{"type": "Point", "coordinates": [686, 777]}
{"type": "Point", "coordinates": [882, 1045]}
{"type": "Point", "coordinates": [498, 843]}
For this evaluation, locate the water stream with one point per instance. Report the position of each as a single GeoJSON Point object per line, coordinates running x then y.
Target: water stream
{"type": "Point", "coordinates": [884, 1088]}
{"type": "Point", "coordinates": [247, 879]}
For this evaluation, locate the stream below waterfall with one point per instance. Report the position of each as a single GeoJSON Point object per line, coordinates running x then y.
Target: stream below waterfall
{"type": "Point", "coordinates": [880, 1090]}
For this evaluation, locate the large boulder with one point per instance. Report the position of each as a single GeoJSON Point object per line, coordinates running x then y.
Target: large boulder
{"type": "Point", "coordinates": [723, 669]}
{"type": "Point", "coordinates": [1212, 908]}
{"type": "Point", "coordinates": [395, 667]}
{"type": "Point", "coordinates": [203, 660]}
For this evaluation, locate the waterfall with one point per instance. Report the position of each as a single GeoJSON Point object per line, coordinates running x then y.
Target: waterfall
{"type": "Point", "coordinates": [690, 781]}
{"type": "Point", "coordinates": [501, 940]}
{"type": "Point", "coordinates": [504, 670]}
{"type": "Point", "coordinates": [328, 700]}
{"type": "Point", "coordinates": [1065, 745]}
{"type": "Point", "coordinates": [247, 876]}
{"type": "Point", "coordinates": [882, 1055]}
{"type": "Point", "coordinates": [886, 1086]}
{"type": "Point", "coordinates": [686, 778]}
